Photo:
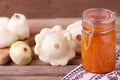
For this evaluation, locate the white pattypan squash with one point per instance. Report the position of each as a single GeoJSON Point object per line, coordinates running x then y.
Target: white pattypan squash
{"type": "Point", "coordinates": [7, 38]}
{"type": "Point", "coordinates": [18, 25]}
{"type": "Point", "coordinates": [55, 46]}
{"type": "Point", "coordinates": [76, 30]}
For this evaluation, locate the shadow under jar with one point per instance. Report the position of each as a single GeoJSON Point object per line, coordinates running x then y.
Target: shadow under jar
{"type": "Point", "coordinates": [98, 40]}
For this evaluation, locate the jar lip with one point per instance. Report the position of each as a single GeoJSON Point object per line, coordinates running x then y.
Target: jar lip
{"type": "Point", "coordinates": [111, 14]}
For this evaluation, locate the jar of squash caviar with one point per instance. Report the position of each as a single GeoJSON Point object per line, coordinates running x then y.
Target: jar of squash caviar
{"type": "Point", "coordinates": [98, 40]}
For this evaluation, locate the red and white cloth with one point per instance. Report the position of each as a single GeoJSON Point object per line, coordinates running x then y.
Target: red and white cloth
{"type": "Point", "coordinates": [79, 73]}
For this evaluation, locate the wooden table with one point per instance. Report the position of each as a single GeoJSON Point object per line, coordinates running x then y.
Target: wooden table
{"type": "Point", "coordinates": [38, 70]}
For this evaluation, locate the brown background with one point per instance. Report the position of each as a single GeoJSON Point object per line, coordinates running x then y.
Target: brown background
{"type": "Point", "coordinates": [54, 8]}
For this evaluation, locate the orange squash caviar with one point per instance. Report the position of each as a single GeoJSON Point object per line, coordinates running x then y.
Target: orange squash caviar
{"type": "Point", "coordinates": [98, 40]}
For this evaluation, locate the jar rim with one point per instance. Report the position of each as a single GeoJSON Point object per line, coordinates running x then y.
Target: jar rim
{"type": "Point", "coordinates": [106, 13]}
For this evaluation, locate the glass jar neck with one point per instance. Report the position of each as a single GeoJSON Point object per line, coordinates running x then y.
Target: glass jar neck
{"type": "Point", "coordinates": [99, 28]}
{"type": "Point", "coordinates": [98, 19]}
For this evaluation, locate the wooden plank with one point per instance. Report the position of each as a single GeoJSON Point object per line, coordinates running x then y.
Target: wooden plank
{"type": "Point", "coordinates": [31, 77]}
{"type": "Point", "coordinates": [54, 8]}
{"type": "Point", "coordinates": [35, 70]}
{"type": "Point", "coordinates": [37, 24]}
{"type": "Point", "coordinates": [37, 62]}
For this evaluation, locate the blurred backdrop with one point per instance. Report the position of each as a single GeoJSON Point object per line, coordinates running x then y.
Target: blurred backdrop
{"type": "Point", "coordinates": [54, 8]}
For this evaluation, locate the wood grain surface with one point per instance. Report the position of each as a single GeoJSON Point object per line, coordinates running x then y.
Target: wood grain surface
{"type": "Point", "coordinates": [38, 70]}
{"type": "Point", "coordinates": [54, 8]}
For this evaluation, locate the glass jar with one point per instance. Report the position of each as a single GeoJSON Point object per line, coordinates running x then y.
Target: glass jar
{"type": "Point", "coordinates": [98, 40]}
